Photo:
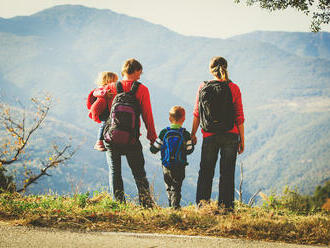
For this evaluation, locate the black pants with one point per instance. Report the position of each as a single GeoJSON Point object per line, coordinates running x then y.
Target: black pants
{"type": "Point", "coordinates": [173, 178]}
{"type": "Point", "coordinates": [135, 161]}
{"type": "Point", "coordinates": [227, 143]}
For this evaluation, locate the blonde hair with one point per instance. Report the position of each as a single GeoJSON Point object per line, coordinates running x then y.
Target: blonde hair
{"type": "Point", "coordinates": [106, 77]}
{"type": "Point", "coordinates": [177, 113]}
{"type": "Point", "coordinates": [130, 66]}
{"type": "Point", "coordinates": [218, 68]}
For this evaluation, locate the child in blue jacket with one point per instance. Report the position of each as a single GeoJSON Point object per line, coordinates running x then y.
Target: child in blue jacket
{"type": "Point", "coordinates": [175, 144]}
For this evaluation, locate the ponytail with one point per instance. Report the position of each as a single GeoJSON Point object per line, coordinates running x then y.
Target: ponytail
{"type": "Point", "coordinates": [224, 73]}
{"type": "Point", "coordinates": [216, 71]}
{"type": "Point", "coordinates": [218, 68]}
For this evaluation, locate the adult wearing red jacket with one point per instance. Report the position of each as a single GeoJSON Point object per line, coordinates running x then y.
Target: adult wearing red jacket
{"type": "Point", "coordinates": [229, 143]}
{"type": "Point", "coordinates": [131, 72]}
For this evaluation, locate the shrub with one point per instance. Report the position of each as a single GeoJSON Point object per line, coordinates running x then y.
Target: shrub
{"type": "Point", "coordinates": [301, 204]}
{"type": "Point", "coordinates": [81, 199]}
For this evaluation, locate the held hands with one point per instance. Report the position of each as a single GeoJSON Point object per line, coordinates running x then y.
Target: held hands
{"type": "Point", "coordinates": [152, 148]}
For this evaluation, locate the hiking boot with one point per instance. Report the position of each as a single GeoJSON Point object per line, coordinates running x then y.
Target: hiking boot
{"type": "Point", "coordinates": [177, 207]}
{"type": "Point", "coordinates": [224, 211]}
{"type": "Point", "coordinates": [100, 146]}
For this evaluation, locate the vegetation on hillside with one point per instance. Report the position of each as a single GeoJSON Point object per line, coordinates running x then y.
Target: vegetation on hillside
{"type": "Point", "coordinates": [281, 218]}
{"type": "Point", "coordinates": [298, 203]}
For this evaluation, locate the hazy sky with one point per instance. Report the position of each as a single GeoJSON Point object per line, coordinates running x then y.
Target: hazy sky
{"type": "Point", "coordinates": [210, 18]}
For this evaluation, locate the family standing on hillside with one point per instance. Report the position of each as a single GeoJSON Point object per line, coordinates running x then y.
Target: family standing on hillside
{"type": "Point", "coordinates": [117, 105]}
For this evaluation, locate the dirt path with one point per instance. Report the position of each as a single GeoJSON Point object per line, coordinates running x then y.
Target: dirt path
{"type": "Point", "coordinates": [21, 236]}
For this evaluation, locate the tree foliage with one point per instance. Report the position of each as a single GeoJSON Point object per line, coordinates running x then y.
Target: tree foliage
{"type": "Point", "coordinates": [298, 203]}
{"type": "Point", "coordinates": [17, 126]}
{"type": "Point", "coordinates": [318, 10]}
{"type": "Point", "coordinates": [321, 194]}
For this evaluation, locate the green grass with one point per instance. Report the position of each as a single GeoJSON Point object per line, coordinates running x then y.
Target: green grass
{"type": "Point", "coordinates": [101, 213]}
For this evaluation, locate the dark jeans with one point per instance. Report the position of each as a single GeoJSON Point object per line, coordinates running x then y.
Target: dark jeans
{"type": "Point", "coordinates": [173, 179]}
{"type": "Point", "coordinates": [227, 143]}
{"type": "Point", "coordinates": [135, 161]}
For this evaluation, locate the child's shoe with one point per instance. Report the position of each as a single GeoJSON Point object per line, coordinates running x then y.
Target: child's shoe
{"type": "Point", "coordinates": [100, 146]}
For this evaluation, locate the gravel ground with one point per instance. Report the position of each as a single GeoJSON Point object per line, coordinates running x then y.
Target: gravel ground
{"type": "Point", "coordinates": [22, 236]}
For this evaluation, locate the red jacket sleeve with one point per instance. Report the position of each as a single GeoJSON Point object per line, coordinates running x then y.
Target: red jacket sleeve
{"type": "Point", "coordinates": [90, 99]}
{"type": "Point", "coordinates": [101, 91]}
{"type": "Point", "coordinates": [97, 108]}
{"type": "Point", "coordinates": [144, 97]}
{"type": "Point", "coordinates": [238, 106]}
{"type": "Point", "coordinates": [196, 107]}
{"type": "Point", "coordinates": [96, 105]}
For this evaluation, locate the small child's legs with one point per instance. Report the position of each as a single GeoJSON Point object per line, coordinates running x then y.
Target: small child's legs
{"type": "Point", "coordinates": [100, 132]}
{"type": "Point", "coordinates": [173, 182]}
{"type": "Point", "coordinates": [99, 145]}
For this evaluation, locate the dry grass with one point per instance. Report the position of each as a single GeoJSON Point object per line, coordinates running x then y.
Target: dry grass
{"type": "Point", "coordinates": [101, 213]}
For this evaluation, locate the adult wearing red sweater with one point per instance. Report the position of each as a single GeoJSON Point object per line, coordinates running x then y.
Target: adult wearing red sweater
{"type": "Point", "coordinates": [229, 143]}
{"type": "Point", "coordinates": [131, 72]}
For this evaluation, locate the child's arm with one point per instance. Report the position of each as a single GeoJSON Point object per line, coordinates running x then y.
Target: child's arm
{"type": "Point", "coordinates": [189, 143]}
{"type": "Point", "coordinates": [100, 92]}
{"type": "Point", "coordinates": [90, 99]}
{"type": "Point", "coordinates": [156, 146]}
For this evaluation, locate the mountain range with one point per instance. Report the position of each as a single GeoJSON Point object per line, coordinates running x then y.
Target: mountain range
{"type": "Point", "coordinates": [284, 80]}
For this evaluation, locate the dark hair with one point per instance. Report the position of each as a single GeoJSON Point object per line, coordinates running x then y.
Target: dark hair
{"type": "Point", "coordinates": [130, 66]}
{"type": "Point", "coordinates": [218, 67]}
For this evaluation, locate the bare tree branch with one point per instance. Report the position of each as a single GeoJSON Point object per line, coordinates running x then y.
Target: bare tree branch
{"type": "Point", "coordinates": [252, 199]}
{"type": "Point", "coordinates": [59, 157]}
{"type": "Point", "coordinates": [17, 128]}
{"type": "Point", "coordinates": [239, 191]}
{"type": "Point", "coordinates": [241, 184]}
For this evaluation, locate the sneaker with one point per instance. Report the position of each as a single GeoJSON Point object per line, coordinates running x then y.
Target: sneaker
{"type": "Point", "coordinates": [100, 146]}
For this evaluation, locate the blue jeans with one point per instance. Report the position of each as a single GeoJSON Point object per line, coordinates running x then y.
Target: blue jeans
{"type": "Point", "coordinates": [135, 161]}
{"type": "Point", "coordinates": [100, 132]}
{"type": "Point", "coordinates": [227, 143]}
{"type": "Point", "coordinates": [103, 118]}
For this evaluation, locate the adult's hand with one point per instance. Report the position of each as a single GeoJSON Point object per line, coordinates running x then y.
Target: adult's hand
{"type": "Point", "coordinates": [194, 139]}
{"type": "Point", "coordinates": [194, 130]}
{"type": "Point", "coordinates": [241, 147]}
{"type": "Point", "coordinates": [241, 138]}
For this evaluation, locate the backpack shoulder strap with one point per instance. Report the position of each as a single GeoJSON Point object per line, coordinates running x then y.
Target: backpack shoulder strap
{"type": "Point", "coordinates": [181, 130]}
{"type": "Point", "coordinates": [135, 87]}
{"type": "Point", "coordinates": [171, 131]}
{"type": "Point", "coordinates": [166, 132]}
{"type": "Point", "coordinates": [226, 82]}
{"type": "Point", "coordinates": [211, 82]}
{"type": "Point", "coordinates": [119, 87]}
{"type": "Point", "coordinates": [177, 131]}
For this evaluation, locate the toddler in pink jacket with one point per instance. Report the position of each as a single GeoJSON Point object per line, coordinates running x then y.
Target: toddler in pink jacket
{"type": "Point", "coordinates": [97, 104]}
